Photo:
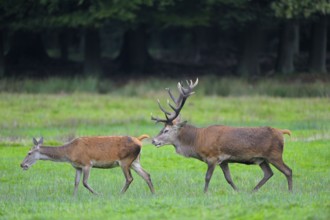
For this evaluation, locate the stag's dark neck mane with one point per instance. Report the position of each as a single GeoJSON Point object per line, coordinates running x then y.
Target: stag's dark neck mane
{"type": "Point", "coordinates": [187, 141]}
{"type": "Point", "coordinates": [187, 135]}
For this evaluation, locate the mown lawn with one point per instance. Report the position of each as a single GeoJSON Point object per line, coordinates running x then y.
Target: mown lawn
{"type": "Point", "coordinates": [45, 190]}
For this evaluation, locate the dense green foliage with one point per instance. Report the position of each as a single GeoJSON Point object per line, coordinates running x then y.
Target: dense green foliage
{"type": "Point", "coordinates": [244, 37]}
{"type": "Point", "coordinates": [300, 8]}
{"type": "Point", "coordinates": [45, 14]}
{"type": "Point", "coordinates": [45, 191]}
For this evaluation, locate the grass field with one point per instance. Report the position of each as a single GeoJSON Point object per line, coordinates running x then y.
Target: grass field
{"type": "Point", "coordinates": [45, 190]}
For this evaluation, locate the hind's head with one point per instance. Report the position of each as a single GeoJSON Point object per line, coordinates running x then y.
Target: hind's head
{"type": "Point", "coordinates": [33, 155]}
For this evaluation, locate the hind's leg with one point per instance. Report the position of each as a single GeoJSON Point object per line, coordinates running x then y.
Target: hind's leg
{"type": "Point", "coordinates": [146, 176]}
{"type": "Point", "coordinates": [77, 180]}
{"type": "Point", "coordinates": [128, 177]}
{"type": "Point", "coordinates": [281, 166]}
{"type": "Point", "coordinates": [86, 172]}
{"type": "Point", "coordinates": [268, 173]}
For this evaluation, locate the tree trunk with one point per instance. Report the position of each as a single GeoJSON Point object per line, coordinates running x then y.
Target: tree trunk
{"type": "Point", "coordinates": [134, 55]}
{"type": "Point", "coordinates": [2, 55]}
{"type": "Point", "coordinates": [92, 52]}
{"type": "Point", "coordinates": [296, 31]}
{"type": "Point", "coordinates": [286, 48]}
{"type": "Point", "coordinates": [317, 56]}
{"type": "Point", "coordinates": [249, 61]}
{"type": "Point", "coordinates": [64, 46]}
{"type": "Point", "coordinates": [201, 40]}
{"type": "Point", "coordinates": [26, 48]}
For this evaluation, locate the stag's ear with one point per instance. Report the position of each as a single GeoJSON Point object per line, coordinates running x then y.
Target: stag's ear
{"type": "Point", "coordinates": [181, 124]}
{"type": "Point", "coordinates": [35, 142]}
{"type": "Point", "coordinates": [41, 141]}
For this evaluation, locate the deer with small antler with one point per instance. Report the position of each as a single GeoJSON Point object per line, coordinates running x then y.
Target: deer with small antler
{"type": "Point", "coordinates": [220, 144]}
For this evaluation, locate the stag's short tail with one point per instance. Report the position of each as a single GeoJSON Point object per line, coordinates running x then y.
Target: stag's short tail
{"type": "Point", "coordinates": [285, 131]}
{"type": "Point", "coordinates": [143, 137]}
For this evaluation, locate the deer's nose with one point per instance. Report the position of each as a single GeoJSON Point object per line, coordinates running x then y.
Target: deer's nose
{"type": "Point", "coordinates": [156, 143]}
{"type": "Point", "coordinates": [25, 167]}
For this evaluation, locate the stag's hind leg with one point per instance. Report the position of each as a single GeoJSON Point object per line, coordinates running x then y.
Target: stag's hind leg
{"type": "Point", "coordinates": [226, 173]}
{"type": "Point", "coordinates": [281, 166]}
{"type": "Point", "coordinates": [268, 173]}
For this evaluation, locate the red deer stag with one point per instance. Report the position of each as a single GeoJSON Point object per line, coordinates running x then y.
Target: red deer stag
{"type": "Point", "coordinates": [220, 144]}
{"type": "Point", "coordinates": [85, 153]}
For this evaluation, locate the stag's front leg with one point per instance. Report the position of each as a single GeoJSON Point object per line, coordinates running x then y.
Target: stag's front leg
{"type": "Point", "coordinates": [209, 173]}
{"type": "Point", "coordinates": [226, 173]}
{"type": "Point", "coordinates": [86, 171]}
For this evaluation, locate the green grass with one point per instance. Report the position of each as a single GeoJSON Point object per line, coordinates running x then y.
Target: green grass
{"type": "Point", "coordinates": [45, 190]}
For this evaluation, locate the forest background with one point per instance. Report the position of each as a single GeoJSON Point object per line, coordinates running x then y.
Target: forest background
{"type": "Point", "coordinates": [168, 38]}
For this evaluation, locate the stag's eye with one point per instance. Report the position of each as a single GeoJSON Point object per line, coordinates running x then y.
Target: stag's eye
{"type": "Point", "coordinates": [29, 153]}
{"type": "Point", "coordinates": [165, 131]}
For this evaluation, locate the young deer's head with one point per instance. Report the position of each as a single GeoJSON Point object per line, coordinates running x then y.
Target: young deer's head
{"type": "Point", "coordinates": [168, 135]}
{"type": "Point", "coordinates": [33, 155]}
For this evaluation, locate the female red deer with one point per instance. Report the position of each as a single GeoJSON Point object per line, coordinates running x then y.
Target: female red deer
{"type": "Point", "coordinates": [85, 153]}
{"type": "Point", "coordinates": [220, 145]}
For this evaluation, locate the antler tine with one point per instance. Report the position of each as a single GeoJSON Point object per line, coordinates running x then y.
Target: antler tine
{"type": "Point", "coordinates": [157, 119]}
{"type": "Point", "coordinates": [193, 85]}
{"type": "Point", "coordinates": [185, 92]}
{"type": "Point", "coordinates": [163, 110]}
{"type": "Point", "coordinates": [154, 118]}
{"type": "Point", "coordinates": [188, 91]}
{"type": "Point", "coordinates": [189, 83]}
{"type": "Point", "coordinates": [179, 102]}
{"type": "Point", "coordinates": [172, 107]}
{"type": "Point", "coordinates": [171, 95]}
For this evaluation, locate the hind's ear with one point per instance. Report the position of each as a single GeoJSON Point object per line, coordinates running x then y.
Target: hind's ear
{"type": "Point", "coordinates": [41, 141]}
{"type": "Point", "coordinates": [35, 142]}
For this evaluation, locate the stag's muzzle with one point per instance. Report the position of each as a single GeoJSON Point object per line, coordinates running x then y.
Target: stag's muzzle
{"type": "Point", "coordinates": [24, 166]}
{"type": "Point", "coordinates": [156, 143]}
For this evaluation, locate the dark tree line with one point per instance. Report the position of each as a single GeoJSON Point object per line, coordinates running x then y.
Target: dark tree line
{"type": "Point", "coordinates": [241, 37]}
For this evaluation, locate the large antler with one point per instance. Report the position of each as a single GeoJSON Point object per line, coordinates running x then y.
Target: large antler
{"type": "Point", "coordinates": [179, 102]}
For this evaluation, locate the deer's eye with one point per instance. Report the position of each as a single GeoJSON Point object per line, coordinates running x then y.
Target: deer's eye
{"type": "Point", "coordinates": [29, 153]}
{"type": "Point", "coordinates": [165, 131]}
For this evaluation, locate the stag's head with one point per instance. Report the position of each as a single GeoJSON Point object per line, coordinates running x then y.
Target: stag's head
{"type": "Point", "coordinates": [172, 123]}
{"type": "Point", "coordinates": [33, 155]}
